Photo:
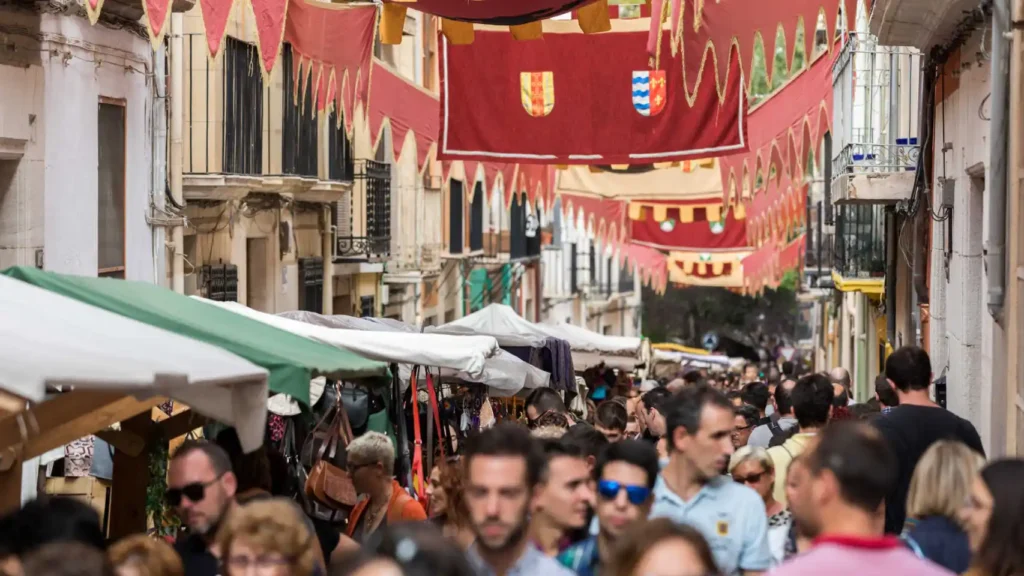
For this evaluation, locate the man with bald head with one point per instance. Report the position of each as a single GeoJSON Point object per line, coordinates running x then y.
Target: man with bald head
{"type": "Point", "coordinates": [841, 382]}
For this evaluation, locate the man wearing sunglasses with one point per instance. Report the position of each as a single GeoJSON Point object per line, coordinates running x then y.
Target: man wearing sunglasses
{"type": "Point", "coordinates": [201, 488]}
{"type": "Point", "coordinates": [626, 472]}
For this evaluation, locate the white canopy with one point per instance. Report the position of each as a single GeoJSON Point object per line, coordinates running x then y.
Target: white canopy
{"type": "Point", "coordinates": [583, 340]}
{"type": "Point", "coordinates": [499, 321]}
{"type": "Point", "coordinates": [50, 340]}
{"type": "Point", "coordinates": [504, 373]}
{"type": "Point", "coordinates": [698, 360]}
{"type": "Point", "coordinates": [464, 354]}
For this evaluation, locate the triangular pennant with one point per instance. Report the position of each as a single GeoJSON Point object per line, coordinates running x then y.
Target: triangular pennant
{"type": "Point", "coordinates": [216, 14]}
{"type": "Point", "coordinates": [156, 15]}
{"type": "Point", "coordinates": [270, 17]}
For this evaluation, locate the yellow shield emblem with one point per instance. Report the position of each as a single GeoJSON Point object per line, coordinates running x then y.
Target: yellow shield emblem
{"type": "Point", "coordinates": [722, 528]}
{"type": "Point", "coordinates": [538, 92]}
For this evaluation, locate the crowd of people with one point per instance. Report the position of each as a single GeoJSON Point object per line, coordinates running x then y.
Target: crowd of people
{"type": "Point", "coordinates": [706, 475]}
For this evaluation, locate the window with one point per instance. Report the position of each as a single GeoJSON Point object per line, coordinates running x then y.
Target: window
{"type": "Point", "coordinates": [476, 219]}
{"type": "Point", "coordinates": [455, 217]}
{"type": "Point", "coordinates": [243, 108]}
{"type": "Point", "coordinates": [366, 306]}
{"type": "Point", "coordinates": [111, 188]}
{"type": "Point", "coordinates": [300, 131]}
{"type": "Point", "coordinates": [311, 278]}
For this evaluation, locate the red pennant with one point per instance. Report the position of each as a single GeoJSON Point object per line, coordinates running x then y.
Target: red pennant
{"type": "Point", "coordinates": [215, 19]}
{"type": "Point", "coordinates": [270, 16]}
{"type": "Point", "coordinates": [157, 15]}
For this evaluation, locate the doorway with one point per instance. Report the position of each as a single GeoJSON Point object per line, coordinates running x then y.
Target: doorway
{"type": "Point", "coordinates": [257, 278]}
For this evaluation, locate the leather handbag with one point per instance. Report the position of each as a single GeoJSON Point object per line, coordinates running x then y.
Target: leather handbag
{"type": "Point", "coordinates": [328, 483]}
{"type": "Point", "coordinates": [357, 403]}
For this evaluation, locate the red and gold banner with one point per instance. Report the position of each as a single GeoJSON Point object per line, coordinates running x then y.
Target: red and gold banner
{"type": "Point", "coordinates": [765, 267]}
{"type": "Point", "coordinates": [705, 33]}
{"type": "Point", "coordinates": [695, 232]}
{"type": "Point", "coordinates": [405, 107]}
{"type": "Point", "coordinates": [334, 47]}
{"type": "Point", "coordinates": [576, 99]}
{"type": "Point", "coordinates": [605, 217]}
{"type": "Point", "coordinates": [781, 131]}
{"type": "Point", "coordinates": [773, 212]}
{"type": "Point", "coordinates": [721, 269]}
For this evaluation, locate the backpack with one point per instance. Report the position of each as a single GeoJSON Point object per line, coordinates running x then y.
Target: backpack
{"type": "Point", "coordinates": [780, 435]}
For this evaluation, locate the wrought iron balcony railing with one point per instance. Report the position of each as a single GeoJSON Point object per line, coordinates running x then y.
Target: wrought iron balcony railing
{"type": "Point", "coordinates": [375, 243]}
{"type": "Point", "coordinates": [859, 248]}
{"type": "Point", "coordinates": [860, 158]}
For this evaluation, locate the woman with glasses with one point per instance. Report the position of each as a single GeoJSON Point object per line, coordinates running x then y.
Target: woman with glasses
{"type": "Point", "coordinates": [371, 465]}
{"type": "Point", "coordinates": [269, 538]}
{"type": "Point", "coordinates": [754, 468]}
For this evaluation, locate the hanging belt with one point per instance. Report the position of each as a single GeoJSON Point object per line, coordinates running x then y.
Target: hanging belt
{"type": "Point", "coordinates": [417, 455]}
{"type": "Point", "coordinates": [435, 415]}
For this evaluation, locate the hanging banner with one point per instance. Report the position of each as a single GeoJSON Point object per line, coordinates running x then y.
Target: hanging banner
{"type": "Point", "coordinates": [782, 129]}
{"type": "Point", "coordinates": [405, 107]}
{"type": "Point", "coordinates": [706, 33]}
{"type": "Point", "coordinates": [335, 42]}
{"type": "Point", "coordinates": [722, 269]}
{"type": "Point", "coordinates": [574, 99]}
{"type": "Point", "coordinates": [701, 227]}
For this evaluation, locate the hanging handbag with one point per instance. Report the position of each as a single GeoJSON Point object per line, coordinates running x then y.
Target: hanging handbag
{"type": "Point", "coordinates": [356, 401]}
{"type": "Point", "coordinates": [328, 483]}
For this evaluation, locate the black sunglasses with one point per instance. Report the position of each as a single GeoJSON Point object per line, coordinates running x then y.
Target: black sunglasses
{"type": "Point", "coordinates": [195, 492]}
{"type": "Point", "coordinates": [752, 479]}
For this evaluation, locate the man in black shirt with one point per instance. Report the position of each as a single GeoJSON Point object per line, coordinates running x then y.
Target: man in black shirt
{"type": "Point", "coordinates": [914, 425]}
{"type": "Point", "coordinates": [201, 487]}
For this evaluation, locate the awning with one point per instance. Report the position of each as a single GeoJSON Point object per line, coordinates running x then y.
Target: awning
{"type": "Point", "coordinates": [291, 360]}
{"type": "Point", "coordinates": [499, 321]}
{"type": "Point", "coordinates": [503, 373]}
{"type": "Point", "coordinates": [463, 353]}
{"type": "Point", "coordinates": [47, 339]}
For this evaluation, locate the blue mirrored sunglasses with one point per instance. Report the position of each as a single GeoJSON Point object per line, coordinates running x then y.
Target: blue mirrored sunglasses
{"type": "Point", "coordinates": [609, 490]}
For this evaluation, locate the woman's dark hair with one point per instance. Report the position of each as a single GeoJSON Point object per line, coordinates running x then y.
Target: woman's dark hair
{"type": "Point", "coordinates": [611, 415]}
{"type": "Point", "coordinates": [67, 559]}
{"type": "Point", "coordinates": [637, 543]}
{"type": "Point", "coordinates": [418, 549]}
{"type": "Point", "coordinates": [1002, 552]}
{"type": "Point", "coordinates": [253, 469]}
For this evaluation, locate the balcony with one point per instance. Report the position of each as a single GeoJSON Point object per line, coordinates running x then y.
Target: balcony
{"type": "Point", "coordinates": [859, 248]}
{"type": "Point", "coordinates": [876, 90]}
{"type": "Point", "coordinates": [244, 133]}
{"type": "Point", "coordinates": [364, 232]}
{"type": "Point", "coordinates": [918, 23]}
{"type": "Point", "coordinates": [223, 121]}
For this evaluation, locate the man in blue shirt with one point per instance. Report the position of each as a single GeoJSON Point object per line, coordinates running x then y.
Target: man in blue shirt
{"type": "Point", "coordinates": [692, 490]}
{"type": "Point", "coordinates": [625, 472]}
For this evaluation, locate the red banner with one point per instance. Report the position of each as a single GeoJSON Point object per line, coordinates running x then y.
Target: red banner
{"type": "Point", "coordinates": [575, 99]}
{"type": "Point", "coordinates": [782, 129]}
{"type": "Point", "coordinates": [698, 234]}
{"type": "Point", "coordinates": [498, 12]}
{"type": "Point", "coordinates": [406, 108]}
{"type": "Point", "coordinates": [336, 42]}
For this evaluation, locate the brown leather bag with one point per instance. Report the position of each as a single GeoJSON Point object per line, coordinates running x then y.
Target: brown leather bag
{"type": "Point", "coordinates": [329, 484]}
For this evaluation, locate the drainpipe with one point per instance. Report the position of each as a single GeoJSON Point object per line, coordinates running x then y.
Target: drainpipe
{"type": "Point", "coordinates": [327, 249]}
{"type": "Point", "coordinates": [158, 173]}
{"type": "Point", "coordinates": [177, 149]}
{"type": "Point", "coordinates": [890, 275]}
{"type": "Point", "coordinates": [996, 208]}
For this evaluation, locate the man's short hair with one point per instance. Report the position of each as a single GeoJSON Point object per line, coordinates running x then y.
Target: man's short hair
{"type": "Point", "coordinates": [909, 368]}
{"type": "Point", "coordinates": [788, 369]}
{"type": "Point", "coordinates": [656, 398]}
{"type": "Point", "coordinates": [641, 454]}
{"type": "Point", "coordinates": [812, 399]}
{"type": "Point", "coordinates": [611, 416]}
{"type": "Point", "coordinates": [587, 438]}
{"type": "Point", "coordinates": [217, 455]}
{"type": "Point", "coordinates": [783, 398]}
{"type": "Point", "coordinates": [886, 395]}
{"type": "Point", "coordinates": [749, 413]}
{"type": "Point", "coordinates": [840, 375]}
{"type": "Point", "coordinates": [686, 407]}
{"type": "Point", "coordinates": [508, 440]}
{"type": "Point", "coordinates": [49, 520]}
{"type": "Point", "coordinates": [859, 457]}
{"type": "Point", "coordinates": [756, 394]}
{"type": "Point", "coordinates": [545, 399]}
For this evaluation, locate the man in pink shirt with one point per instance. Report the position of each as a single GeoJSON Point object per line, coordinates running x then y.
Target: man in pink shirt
{"type": "Point", "coordinates": [849, 470]}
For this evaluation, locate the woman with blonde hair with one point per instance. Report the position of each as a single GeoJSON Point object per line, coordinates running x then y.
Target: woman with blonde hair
{"type": "Point", "coordinates": [269, 536]}
{"type": "Point", "coordinates": [142, 555]}
{"type": "Point", "coordinates": [939, 487]}
{"type": "Point", "coordinates": [753, 467]}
